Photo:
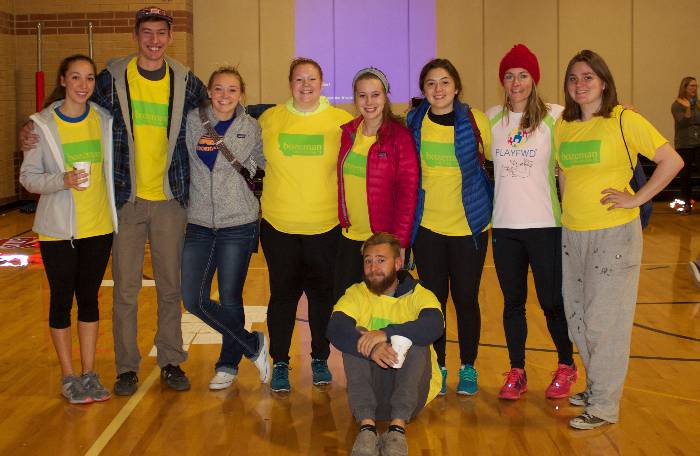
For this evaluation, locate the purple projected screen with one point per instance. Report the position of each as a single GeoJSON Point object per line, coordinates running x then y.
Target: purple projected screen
{"type": "Point", "coordinates": [396, 36]}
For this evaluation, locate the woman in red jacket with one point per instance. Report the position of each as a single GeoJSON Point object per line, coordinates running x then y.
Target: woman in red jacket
{"type": "Point", "coordinates": [377, 176]}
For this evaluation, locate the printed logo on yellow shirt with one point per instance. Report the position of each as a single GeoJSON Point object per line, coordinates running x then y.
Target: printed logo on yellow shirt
{"type": "Point", "coordinates": [83, 151]}
{"type": "Point", "coordinates": [438, 155]}
{"type": "Point", "coordinates": [151, 114]}
{"type": "Point", "coordinates": [355, 165]}
{"type": "Point", "coordinates": [577, 153]}
{"type": "Point", "coordinates": [296, 144]}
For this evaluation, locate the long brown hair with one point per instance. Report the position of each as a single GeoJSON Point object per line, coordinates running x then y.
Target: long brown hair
{"type": "Point", "coordinates": [387, 113]}
{"type": "Point", "coordinates": [535, 110]}
{"type": "Point", "coordinates": [572, 110]}
{"type": "Point", "coordinates": [59, 92]}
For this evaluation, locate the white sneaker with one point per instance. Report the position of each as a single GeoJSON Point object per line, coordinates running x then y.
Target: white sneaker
{"type": "Point", "coordinates": [221, 380]}
{"type": "Point", "coordinates": [694, 273]}
{"type": "Point", "coordinates": [261, 360]}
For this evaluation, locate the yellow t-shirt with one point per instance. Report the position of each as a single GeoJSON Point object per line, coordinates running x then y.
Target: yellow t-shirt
{"type": "Point", "coordinates": [81, 141]}
{"type": "Point", "coordinates": [377, 312]}
{"type": "Point", "coordinates": [592, 156]}
{"type": "Point", "coordinates": [301, 181]}
{"type": "Point", "coordinates": [150, 101]}
{"type": "Point", "coordinates": [443, 211]}
{"type": "Point", "coordinates": [355, 182]}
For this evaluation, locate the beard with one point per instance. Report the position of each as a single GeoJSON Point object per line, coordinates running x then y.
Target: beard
{"type": "Point", "coordinates": [379, 283]}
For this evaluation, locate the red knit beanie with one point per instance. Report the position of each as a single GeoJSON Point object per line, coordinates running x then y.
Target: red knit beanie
{"type": "Point", "coordinates": [520, 57]}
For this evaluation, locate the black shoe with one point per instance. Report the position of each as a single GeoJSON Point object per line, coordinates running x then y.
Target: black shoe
{"type": "Point", "coordinates": [126, 384]}
{"type": "Point", "coordinates": [174, 377]}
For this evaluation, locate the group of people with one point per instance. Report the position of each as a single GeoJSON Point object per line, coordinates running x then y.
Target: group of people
{"type": "Point", "coordinates": [346, 204]}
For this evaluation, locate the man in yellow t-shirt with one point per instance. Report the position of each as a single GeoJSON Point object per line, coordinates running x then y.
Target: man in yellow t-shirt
{"type": "Point", "coordinates": [365, 322]}
{"type": "Point", "coordinates": [149, 96]}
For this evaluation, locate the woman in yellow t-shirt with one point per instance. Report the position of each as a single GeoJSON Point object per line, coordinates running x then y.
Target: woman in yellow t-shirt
{"type": "Point", "coordinates": [299, 228]}
{"type": "Point", "coordinates": [596, 148]}
{"type": "Point", "coordinates": [76, 216]}
{"type": "Point", "coordinates": [454, 207]}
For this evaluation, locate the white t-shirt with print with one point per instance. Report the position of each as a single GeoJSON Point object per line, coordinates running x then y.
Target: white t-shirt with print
{"type": "Point", "coordinates": [526, 191]}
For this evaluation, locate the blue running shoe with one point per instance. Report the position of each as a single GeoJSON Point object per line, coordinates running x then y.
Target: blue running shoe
{"type": "Point", "coordinates": [467, 380]}
{"type": "Point", "coordinates": [320, 372]}
{"type": "Point", "coordinates": [280, 378]}
{"type": "Point", "coordinates": [443, 389]}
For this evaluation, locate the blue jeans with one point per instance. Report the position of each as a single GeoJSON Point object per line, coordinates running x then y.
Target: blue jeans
{"type": "Point", "coordinates": [226, 251]}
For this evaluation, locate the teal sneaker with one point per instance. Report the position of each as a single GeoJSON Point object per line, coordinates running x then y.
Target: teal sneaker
{"type": "Point", "coordinates": [280, 378]}
{"type": "Point", "coordinates": [467, 380]}
{"type": "Point", "coordinates": [443, 389]}
{"type": "Point", "coordinates": [320, 372]}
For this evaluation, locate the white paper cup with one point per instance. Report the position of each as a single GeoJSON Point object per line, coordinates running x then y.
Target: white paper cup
{"type": "Point", "coordinates": [400, 344]}
{"type": "Point", "coordinates": [85, 167]}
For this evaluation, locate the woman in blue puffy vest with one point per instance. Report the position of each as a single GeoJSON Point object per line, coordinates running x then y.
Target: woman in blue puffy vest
{"type": "Point", "coordinates": [455, 201]}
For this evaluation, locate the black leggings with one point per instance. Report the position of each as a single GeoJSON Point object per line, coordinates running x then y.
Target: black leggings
{"type": "Point", "coordinates": [76, 269]}
{"type": "Point", "coordinates": [513, 252]}
{"type": "Point", "coordinates": [454, 264]}
{"type": "Point", "coordinates": [299, 263]}
{"type": "Point", "coordinates": [348, 266]}
{"type": "Point", "coordinates": [689, 157]}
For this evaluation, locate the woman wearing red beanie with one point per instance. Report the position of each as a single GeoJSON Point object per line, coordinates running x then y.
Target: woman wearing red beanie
{"type": "Point", "coordinates": [527, 230]}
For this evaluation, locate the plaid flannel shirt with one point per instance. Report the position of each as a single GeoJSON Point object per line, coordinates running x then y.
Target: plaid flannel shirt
{"type": "Point", "coordinates": [179, 171]}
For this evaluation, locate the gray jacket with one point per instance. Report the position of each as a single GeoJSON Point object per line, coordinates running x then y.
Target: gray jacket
{"type": "Point", "coordinates": [220, 198]}
{"type": "Point", "coordinates": [686, 129]}
{"type": "Point", "coordinates": [42, 172]}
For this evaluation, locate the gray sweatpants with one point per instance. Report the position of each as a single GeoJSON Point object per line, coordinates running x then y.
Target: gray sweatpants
{"type": "Point", "coordinates": [386, 394]}
{"type": "Point", "coordinates": [600, 277]}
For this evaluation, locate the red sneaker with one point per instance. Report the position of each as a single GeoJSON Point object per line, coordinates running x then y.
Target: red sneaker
{"type": "Point", "coordinates": [515, 385]}
{"type": "Point", "coordinates": [564, 377]}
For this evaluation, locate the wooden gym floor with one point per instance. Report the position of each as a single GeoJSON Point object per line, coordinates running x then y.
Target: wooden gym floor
{"type": "Point", "coordinates": [660, 408]}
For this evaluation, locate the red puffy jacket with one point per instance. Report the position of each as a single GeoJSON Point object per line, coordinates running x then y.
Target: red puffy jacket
{"type": "Point", "coordinates": [392, 179]}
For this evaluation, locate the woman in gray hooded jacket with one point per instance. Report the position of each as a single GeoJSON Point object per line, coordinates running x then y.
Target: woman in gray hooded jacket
{"type": "Point", "coordinates": [71, 169]}
{"type": "Point", "coordinates": [222, 222]}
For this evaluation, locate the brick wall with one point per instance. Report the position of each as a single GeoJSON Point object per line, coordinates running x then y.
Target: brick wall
{"type": "Point", "coordinates": [65, 26]}
{"type": "Point", "coordinates": [8, 165]}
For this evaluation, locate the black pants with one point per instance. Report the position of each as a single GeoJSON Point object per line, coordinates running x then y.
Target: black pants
{"type": "Point", "coordinates": [75, 269]}
{"type": "Point", "coordinates": [297, 264]}
{"type": "Point", "coordinates": [689, 157]}
{"type": "Point", "coordinates": [540, 248]}
{"type": "Point", "coordinates": [454, 264]}
{"type": "Point", "coordinates": [348, 266]}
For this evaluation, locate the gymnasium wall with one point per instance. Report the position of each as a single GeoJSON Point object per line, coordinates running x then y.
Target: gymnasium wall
{"type": "Point", "coordinates": [649, 44]}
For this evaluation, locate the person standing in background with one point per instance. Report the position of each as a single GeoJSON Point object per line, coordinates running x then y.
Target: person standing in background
{"type": "Point", "coordinates": [686, 123]}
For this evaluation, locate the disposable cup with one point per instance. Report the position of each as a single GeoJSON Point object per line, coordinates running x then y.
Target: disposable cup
{"type": "Point", "coordinates": [85, 167]}
{"type": "Point", "coordinates": [400, 344]}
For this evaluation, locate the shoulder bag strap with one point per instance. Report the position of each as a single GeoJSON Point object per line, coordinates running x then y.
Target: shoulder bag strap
{"type": "Point", "coordinates": [219, 142]}
{"type": "Point", "coordinates": [625, 141]}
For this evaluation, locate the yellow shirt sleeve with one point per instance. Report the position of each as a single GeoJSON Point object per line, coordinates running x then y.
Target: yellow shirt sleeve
{"type": "Point", "coordinates": [641, 136]}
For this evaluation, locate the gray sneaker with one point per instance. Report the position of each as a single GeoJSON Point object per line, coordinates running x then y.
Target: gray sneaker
{"type": "Point", "coordinates": [93, 387]}
{"type": "Point", "coordinates": [587, 421]}
{"type": "Point", "coordinates": [366, 444]}
{"type": "Point", "coordinates": [394, 444]}
{"type": "Point", "coordinates": [73, 390]}
{"type": "Point", "coordinates": [580, 399]}
{"type": "Point", "coordinates": [261, 360]}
